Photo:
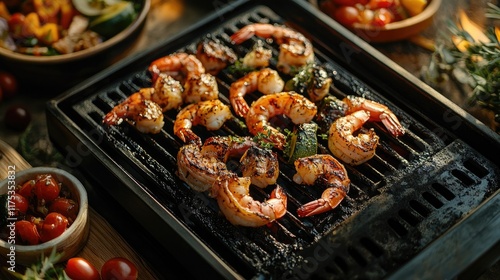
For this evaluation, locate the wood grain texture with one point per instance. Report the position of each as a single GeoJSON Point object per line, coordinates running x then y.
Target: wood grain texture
{"type": "Point", "coordinates": [103, 243]}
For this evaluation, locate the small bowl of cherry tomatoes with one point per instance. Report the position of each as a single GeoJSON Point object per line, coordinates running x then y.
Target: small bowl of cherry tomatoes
{"type": "Point", "coordinates": [381, 21]}
{"type": "Point", "coordinates": [42, 209]}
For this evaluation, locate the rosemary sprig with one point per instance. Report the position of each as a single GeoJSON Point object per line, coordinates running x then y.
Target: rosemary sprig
{"type": "Point", "coordinates": [480, 61]}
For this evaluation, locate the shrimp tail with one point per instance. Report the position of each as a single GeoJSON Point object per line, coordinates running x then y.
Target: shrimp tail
{"type": "Point", "coordinates": [189, 137]}
{"type": "Point", "coordinates": [329, 200]}
{"type": "Point", "coordinates": [243, 34]}
{"type": "Point", "coordinates": [240, 106]}
{"type": "Point", "coordinates": [111, 119]}
{"type": "Point", "coordinates": [392, 124]}
{"type": "Point", "coordinates": [279, 194]}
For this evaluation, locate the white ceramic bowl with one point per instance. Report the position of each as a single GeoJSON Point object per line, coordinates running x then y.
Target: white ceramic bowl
{"type": "Point", "coordinates": [67, 244]}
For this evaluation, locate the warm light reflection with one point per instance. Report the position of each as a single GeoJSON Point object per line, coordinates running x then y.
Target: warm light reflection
{"type": "Point", "coordinates": [472, 28]}
{"type": "Point", "coordinates": [166, 10]}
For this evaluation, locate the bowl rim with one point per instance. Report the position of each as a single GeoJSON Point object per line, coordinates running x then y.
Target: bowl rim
{"type": "Point", "coordinates": [80, 218]}
{"type": "Point", "coordinates": [83, 53]}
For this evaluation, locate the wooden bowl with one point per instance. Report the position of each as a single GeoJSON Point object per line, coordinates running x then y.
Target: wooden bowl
{"type": "Point", "coordinates": [398, 30]}
{"type": "Point", "coordinates": [53, 74]}
{"type": "Point", "coordinates": [67, 244]}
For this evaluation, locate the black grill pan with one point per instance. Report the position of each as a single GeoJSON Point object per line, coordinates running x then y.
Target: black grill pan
{"type": "Point", "coordinates": [419, 193]}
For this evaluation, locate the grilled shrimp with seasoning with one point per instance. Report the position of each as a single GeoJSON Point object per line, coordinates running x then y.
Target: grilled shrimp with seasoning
{"type": "Point", "coordinates": [295, 49]}
{"type": "Point", "coordinates": [187, 69]}
{"type": "Point", "coordinates": [266, 81]}
{"type": "Point", "coordinates": [200, 167]}
{"type": "Point", "coordinates": [214, 55]}
{"type": "Point", "coordinates": [378, 113]}
{"type": "Point", "coordinates": [323, 170]}
{"type": "Point", "coordinates": [178, 65]}
{"type": "Point", "coordinates": [348, 147]}
{"type": "Point", "coordinates": [234, 200]}
{"type": "Point", "coordinates": [211, 113]}
{"type": "Point", "coordinates": [293, 105]}
{"type": "Point", "coordinates": [257, 57]}
{"type": "Point", "coordinates": [261, 165]}
{"type": "Point", "coordinates": [145, 115]}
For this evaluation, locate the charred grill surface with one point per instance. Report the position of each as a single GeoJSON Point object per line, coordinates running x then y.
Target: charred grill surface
{"type": "Point", "coordinates": [414, 189]}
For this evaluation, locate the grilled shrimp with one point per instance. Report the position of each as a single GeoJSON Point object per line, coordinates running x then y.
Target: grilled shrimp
{"type": "Point", "coordinates": [258, 57]}
{"type": "Point", "coordinates": [167, 92]}
{"type": "Point", "coordinates": [295, 49]}
{"type": "Point", "coordinates": [348, 147]}
{"type": "Point", "coordinates": [214, 55]}
{"type": "Point", "coordinates": [295, 106]}
{"type": "Point", "coordinates": [378, 112]}
{"type": "Point", "coordinates": [326, 171]}
{"type": "Point", "coordinates": [178, 65]}
{"type": "Point", "coordinates": [261, 165]}
{"type": "Point", "coordinates": [200, 167]}
{"type": "Point", "coordinates": [200, 88]}
{"type": "Point", "coordinates": [234, 200]}
{"type": "Point", "coordinates": [142, 113]}
{"type": "Point", "coordinates": [266, 81]}
{"type": "Point", "coordinates": [212, 114]}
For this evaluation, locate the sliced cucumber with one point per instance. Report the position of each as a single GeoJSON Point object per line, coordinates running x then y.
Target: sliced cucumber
{"type": "Point", "coordinates": [114, 19]}
{"type": "Point", "coordinates": [302, 142]}
{"type": "Point", "coordinates": [92, 8]}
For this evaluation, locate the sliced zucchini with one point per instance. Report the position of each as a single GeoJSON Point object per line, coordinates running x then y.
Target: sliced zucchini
{"type": "Point", "coordinates": [114, 19]}
{"type": "Point", "coordinates": [92, 8]}
{"type": "Point", "coordinates": [302, 142]}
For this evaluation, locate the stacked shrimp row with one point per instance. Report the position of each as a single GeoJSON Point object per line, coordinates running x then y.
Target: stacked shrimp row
{"type": "Point", "coordinates": [187, 83]}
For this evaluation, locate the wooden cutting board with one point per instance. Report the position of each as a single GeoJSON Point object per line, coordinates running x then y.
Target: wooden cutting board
{"type": "Point", "coordinates": [104, 241]}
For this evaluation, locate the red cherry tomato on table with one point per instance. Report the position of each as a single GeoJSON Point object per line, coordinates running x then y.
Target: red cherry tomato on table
{"type": "Point", "coordinates": [52, 226]}
{"type": "Point", "coordinates": [80, 269]}
{"type": "Point", "coordinates": [27, 232]}
{"type": "Point", "coordinates": [17, 117]}
{"type": "Point", "coordinates": [46, 187]}
{"type": "Point", "coordinates": [118, 269]}
{"type": "Point", "coordinates": [8, 83]}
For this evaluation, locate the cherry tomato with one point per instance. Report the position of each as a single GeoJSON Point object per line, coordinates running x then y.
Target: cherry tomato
{"type": "Point", "coordinates": [17, 117]}
{"type": "Point", "coordinates": [65, 206]}
{"type": "Point", "coordinates": [377, 4]}
{"type": "Point", "coordinates": [47, 187]}
{"type": "Point", "coordinates": [27, 189]}
{"type": "Point", "coordinates": [52, 226]}
{"type": "Point", "coordinates": [346, 15]}
{"type": "Point", "coordinates": [118, 269]}
{"type": "Point", "coordinates": [80, 269]}
{"type": "Point", "coordinates": [8, 83]}
{"type": "Point", "coordinates": [15, 23]}
{"type": "Point", "coordinates": [27, 232]}
{"type": "Point", "coordinates": [350, 2]}
{"type": "Point", "coordinates": [381, 17]}
{"type": "Point", "coordinates": [21, 203]}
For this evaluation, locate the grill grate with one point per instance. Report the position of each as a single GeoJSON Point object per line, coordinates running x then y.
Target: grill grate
{"type": "Point", "coordinates": [410, 193]}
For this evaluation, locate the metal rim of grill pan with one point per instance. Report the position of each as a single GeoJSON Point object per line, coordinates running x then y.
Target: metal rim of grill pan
{"type": "Point", "coordinates": [154, 199]}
